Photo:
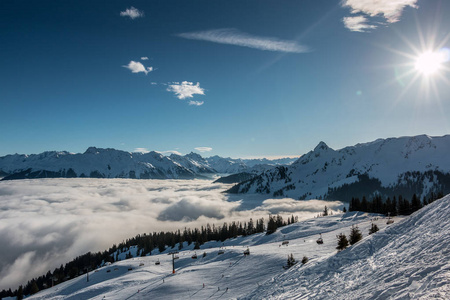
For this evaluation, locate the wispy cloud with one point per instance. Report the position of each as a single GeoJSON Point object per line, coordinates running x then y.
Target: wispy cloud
{"type": "Point", "coordinates": [132, 12]}
{"type": "Point", "coordinates": [196, 103]}
{"type": "Point", "coordinates": [137, 67]}
{"type": "Point", "coordinates": [168, 152]}
{"type": "Point", "coordinates": [144, 58]}
{"type": "Point", "coordinates": [357, 23]}
{"type": "Point", "coordinates": [141, 150]}
{"type": "Point", "coordinates": [203, 149]}
{"type": "Point", "coordinates": [391, 10]}
{"type": "Point", "coordinates": [237, 38]}
{"type": "Point", "coordinates": [185, 89]}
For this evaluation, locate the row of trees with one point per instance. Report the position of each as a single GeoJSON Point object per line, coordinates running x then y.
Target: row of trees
{"type": "Point", "coordinates": [394, 206]}
{"type": "Point", "coordinates": [146, 243]}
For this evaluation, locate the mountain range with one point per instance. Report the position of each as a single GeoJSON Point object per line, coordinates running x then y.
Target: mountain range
{"type": "Point", "coordinates": [396, 166]}
{"type": "Point", "coordinates": [112, 163]}
{"type": "Point", "coordinates": [388, 167]}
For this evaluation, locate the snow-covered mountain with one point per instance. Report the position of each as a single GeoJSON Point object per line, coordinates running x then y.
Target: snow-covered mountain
{"type": "Point", "coordinates": [112, 163]}
{"type": "Point", "coordinates": [406, 165]}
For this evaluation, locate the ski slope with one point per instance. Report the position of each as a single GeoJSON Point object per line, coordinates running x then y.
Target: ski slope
{"type": "Point", "coordinates": [227, 276]}
{"type": "Point", "coordinates": [409, 260]}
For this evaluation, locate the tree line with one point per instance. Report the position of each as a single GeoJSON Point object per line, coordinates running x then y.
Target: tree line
{"type": "Point", "coordinates": [145, 244]}
{"type": "Point", "coordinates": [394, 206]}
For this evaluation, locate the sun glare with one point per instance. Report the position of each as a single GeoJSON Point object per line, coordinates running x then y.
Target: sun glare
{"type": "Point", "coordinates": [429, 62]}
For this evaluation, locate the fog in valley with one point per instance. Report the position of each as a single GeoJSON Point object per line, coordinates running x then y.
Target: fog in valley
{"type": "Point", "coordinates": [47, 222]}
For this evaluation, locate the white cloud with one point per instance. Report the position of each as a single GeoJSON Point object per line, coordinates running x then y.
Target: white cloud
{"type": "Point", "coordinates": [137, 67]}
{"type": "Point", "coordinates": [203, 149]}
{"type": "Point", "coordinates": [132, 12]}
{"type": "Point", "coordinates": [168, 152]}
{"type": "Point", "coordinates": [287, 205]}
{"type": "Point", "coordinates": [185, 89]}
{"type": "Point", "coordinates": [47, 222]}
{"type": "Point", "coordinates": [196, 103]}
{"type": "Point", "coordinates": [235, 37]}
{"type": "Point", "coordinates": [153, 83]}
{"type": "Point", "coordinates": [357, 23]}
{"type": "Point", "coordinates": [391, 10]}
{"type": "Point", "coordinates": [144, 58]}
{"type": "Point", "coordinates": [141, 150]}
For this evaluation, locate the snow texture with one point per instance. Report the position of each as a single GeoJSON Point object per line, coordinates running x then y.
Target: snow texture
{"type": "Point", "coordinates": [408, 260]}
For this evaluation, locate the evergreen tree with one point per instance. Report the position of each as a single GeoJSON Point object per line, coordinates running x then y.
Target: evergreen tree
{"type": "Point", "coordinates": [374, 228]}
{"type": "Point", "coordinates": [305, 260]}
{"type": "Point", "coordinates": [393, 210]}
{"type": "Point", "coordinates": [291, 261]}
{"type": "Point", "coordinates": [34, 288]}
{"type": "Point", "coordinates": [197, 246]}
{"type": "Point", "coordinates": [325, 211]}
{"type": "Point", "coordinates": [364, 204]}
{"type": "Point", "coordinates": [272, 225]}
{"type": "Point", "coordinates": [342, 242]}
{"type": "Point", "coordinates": [355, 235]}
{"type": "Point", "coordinates": [20, 293]}
{"type": "Point", "coordinates": [415, 203]}
{"type": "Point", "coordinates": [344, 210]}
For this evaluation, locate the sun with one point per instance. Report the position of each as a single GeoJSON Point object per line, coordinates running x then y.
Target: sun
{"type": "Point", "coordinates": [428, 63]}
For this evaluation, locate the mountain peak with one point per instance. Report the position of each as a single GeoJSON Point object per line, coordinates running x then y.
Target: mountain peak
{"type": "Point", "coordinates": [194, 156]}
{"type": "Point", "coordinates": [321, 146]}
{"type": "Point", "coordinates": [91, 150]}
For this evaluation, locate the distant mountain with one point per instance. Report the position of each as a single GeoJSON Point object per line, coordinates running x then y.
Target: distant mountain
{"type": "Point", "coordinates": [112, 163]}
{"type": "Point", "coordinates": [394, 166]}
{"type": "Point", "coordinates": [235, 178]}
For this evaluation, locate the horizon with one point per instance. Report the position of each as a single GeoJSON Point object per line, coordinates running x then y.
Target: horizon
{"type": "Point", "coordinates": [202, 154]}
{"type": "Point", "coordinates": [253, 79]}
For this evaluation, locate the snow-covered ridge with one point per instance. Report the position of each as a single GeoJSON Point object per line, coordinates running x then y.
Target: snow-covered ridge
{"type": "Point", "coordinates": [408, 260]}
{"type": "Point", "coordinates": [112, 163]}
{"type": "Point", "coordinates": [386, 164]}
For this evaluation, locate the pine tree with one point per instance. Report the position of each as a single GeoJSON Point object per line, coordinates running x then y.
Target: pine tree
{"type": "Point", "coordinates": [197, 246]}
{"type": "Point", "coordinates": [305, 260]}
{"type": "Point", "coordinates": [34, 288]}
{"type": "Point", "coordinates": [272, 225]}
{"type": "Point", "coordinates": [342, 242]}
{"type": "Point", "coordinates": [373, 229]}
{"type": "Point", "coordinates": [20, 293]}
{"type": "Point", "coordinates": [325, 211]}
{"type": "Point", "coordinates": [291, 261]}
{"type": "Point", "coordinates": [415, 203]}
{"type": "Point", "coordinates": [355, 235]}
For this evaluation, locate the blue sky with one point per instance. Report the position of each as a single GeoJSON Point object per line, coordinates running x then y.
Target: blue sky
{"type": "Point", "coordinates": [233, 78]}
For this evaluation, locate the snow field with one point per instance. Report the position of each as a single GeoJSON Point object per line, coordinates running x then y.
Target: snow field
{"type": "Point", "coordinates": [407, 260]}
{"type": "Point", "coordinates": [240, 274]}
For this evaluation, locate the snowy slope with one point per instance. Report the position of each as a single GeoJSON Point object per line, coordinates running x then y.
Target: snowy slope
{"type": "Point", "coordinates": [240, 274]}
{"type": "Point", "coordinates": [420, 164]}
{"type": "Point", "coordinates": [233, 166]}
{"type": "Point", "coordinates": [408, 260]}
{"type": "Point", "coordinates": [112, 163]}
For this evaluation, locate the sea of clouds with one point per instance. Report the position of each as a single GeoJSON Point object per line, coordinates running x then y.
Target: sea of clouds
{"type": "Point", "coordinates": [47, 222]}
